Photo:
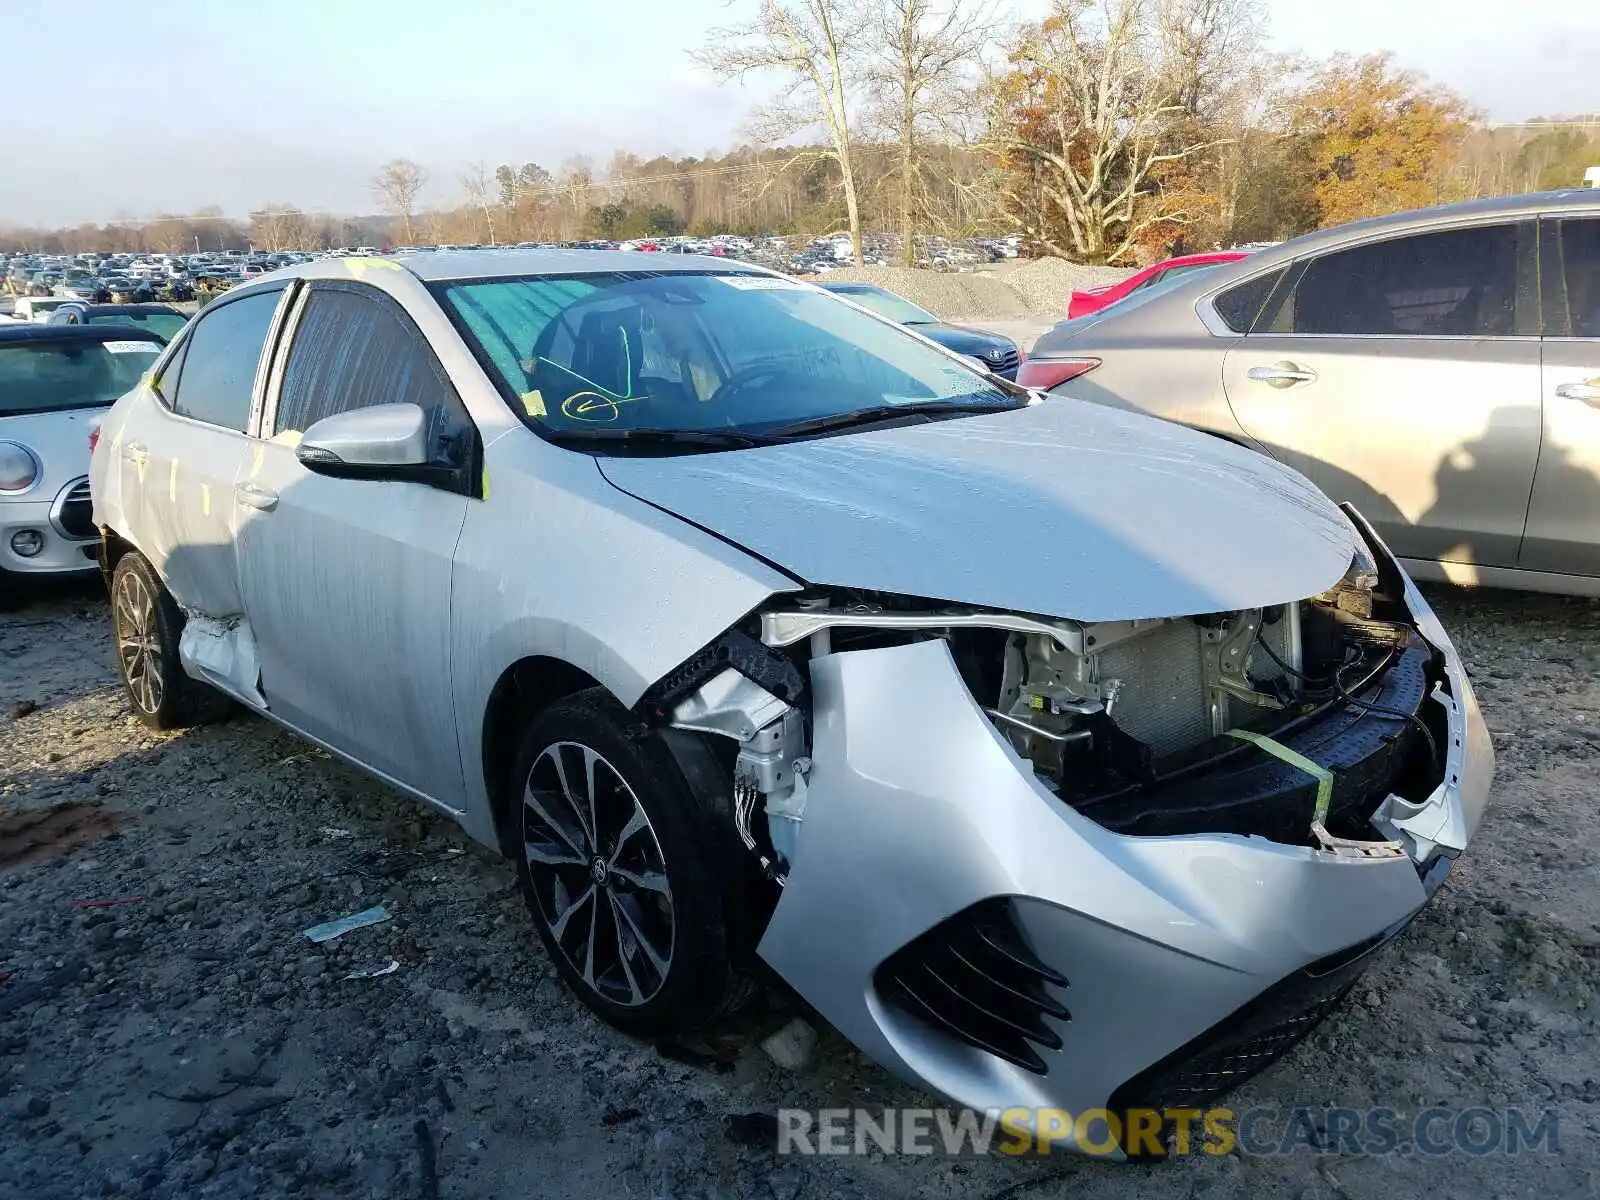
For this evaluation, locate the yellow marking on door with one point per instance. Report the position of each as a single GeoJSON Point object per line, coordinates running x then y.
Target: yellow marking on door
{"type": "Point", "coordinates": [205, 498]}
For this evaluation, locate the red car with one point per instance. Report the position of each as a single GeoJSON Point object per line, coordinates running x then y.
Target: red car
{"type": "Point", "coordinates": [1094, 299]}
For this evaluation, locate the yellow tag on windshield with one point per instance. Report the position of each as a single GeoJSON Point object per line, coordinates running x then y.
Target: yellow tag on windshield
{"type": "Point", "coordinates": [533, 403]}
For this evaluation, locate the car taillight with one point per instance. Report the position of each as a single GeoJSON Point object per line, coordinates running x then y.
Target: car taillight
{"type": "Point", "coordinates": [1046, 373]}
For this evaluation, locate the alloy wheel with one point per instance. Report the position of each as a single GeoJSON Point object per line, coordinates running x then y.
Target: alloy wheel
{"type": "Point", "coordinates": [138, 641]}
{"type": "Point", "coordinates": [598, 873]}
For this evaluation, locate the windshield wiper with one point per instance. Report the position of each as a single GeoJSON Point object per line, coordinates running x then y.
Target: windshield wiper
{"type": "Point", "coordinates": [888, 412]}
{"type": "Point", "coordinates": [710, 439]}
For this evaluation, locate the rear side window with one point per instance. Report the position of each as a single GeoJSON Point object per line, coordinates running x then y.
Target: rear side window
{"type": "Point", "coordinates": [1575, 311]}
{"type": "Point", "coordinates": [219, 362]}
{"type": "Point", "coordinates": [1455, 283]}
{"type": "Point", "coordinates": [353, 350]}
{"type": "Point", "coordinates": [1240, 305]}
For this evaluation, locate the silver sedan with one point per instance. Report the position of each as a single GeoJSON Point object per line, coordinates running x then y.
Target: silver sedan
{"type": "Point", "coordinates": [1439, 369]}
{"type": "Point", "coordinates": [1062, 758]}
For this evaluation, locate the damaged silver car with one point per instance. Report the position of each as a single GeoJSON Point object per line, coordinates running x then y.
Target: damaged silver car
{"type": "Point", "coordinates": [1058, 756]}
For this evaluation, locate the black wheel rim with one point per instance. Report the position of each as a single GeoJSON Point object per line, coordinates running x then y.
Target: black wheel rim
{"type": "Point", "coordinates": [133, 615]}
{"type": "Point", "coordinates": [598, 873]}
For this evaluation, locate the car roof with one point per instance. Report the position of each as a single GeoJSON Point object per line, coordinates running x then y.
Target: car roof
{"type": "Point", "coordinates": [30, 332]}
{"type": "Point", "coordinates": [1440, 216]}
{"type": "Point", "coordinates": [442, 266]}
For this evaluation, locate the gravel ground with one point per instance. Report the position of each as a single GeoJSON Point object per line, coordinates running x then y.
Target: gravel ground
{"type": "Point", "coordinates": [191, 1043]}
{"type": "Point", "coordinates": [1036, 290]}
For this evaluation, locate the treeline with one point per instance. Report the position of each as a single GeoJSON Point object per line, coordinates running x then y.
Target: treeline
{"type": "Point", "coordinates": [1106, 132]}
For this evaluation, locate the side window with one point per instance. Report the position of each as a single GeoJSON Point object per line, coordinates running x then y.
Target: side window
{"type": "Point", "coordinates": [1458, 282]}
{"type": "Point", "coordinates": [1241, 304]}
{"type": "Point", "coordinates": [218, 370]}
{"type": "Point", "coordinates": [353, 351]}
{"type": "Point", "coordinates": [1576, 308]}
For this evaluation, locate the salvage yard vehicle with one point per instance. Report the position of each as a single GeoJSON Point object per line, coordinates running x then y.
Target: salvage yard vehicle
{"type": "Point", "coordinates": [1438, 369]}
{"type": "Point", "coordinates": [993, 351]}
{"type": "Point", "coordinates": [55, 382]}
{"type": "Point", "coordinates": [1057, 755]}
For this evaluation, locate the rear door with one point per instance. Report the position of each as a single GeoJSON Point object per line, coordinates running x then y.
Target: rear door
{"type": "Point", "coordinates": [182, 458]}
{"type": "Point", "coordinates": [347, 581]}
{"type": "Point", "coordinates": [1564, 515]}
{"type": "Point", "coordinates": [1403, 375]}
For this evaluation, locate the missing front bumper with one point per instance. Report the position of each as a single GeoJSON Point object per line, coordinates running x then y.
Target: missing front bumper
{"type": "Point", "coordinates": [919, 810]}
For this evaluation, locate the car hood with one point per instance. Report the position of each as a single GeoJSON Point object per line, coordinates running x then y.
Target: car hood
{"type": "Point", "coordinates": [59, 440]}
{"type": "Point", "coordinates": [964, 340]}
{"type": "Point", "coordinates": [1060, 508]}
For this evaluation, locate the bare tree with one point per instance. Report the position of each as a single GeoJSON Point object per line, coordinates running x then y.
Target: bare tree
{"type": "Point", "coordinates": [397, 184]}
{"type": "Point", "coordinates": [1092, 123]}
{"type": "Point", "coordinates": [482, 189]}
{"type": "Point", "coordinates": [920, 84]}
{"type": "Point", "coordinates": [812, 45]}
{"type": "Point", "coordinates": [278, 226]}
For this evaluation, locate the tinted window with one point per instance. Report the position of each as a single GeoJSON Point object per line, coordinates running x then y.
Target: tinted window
{"type": "Point", "coordinates": [1240, 305]}
{"type": "Point", "coordinates": [219, 365]}
{"type": "Point", "coordinates": [1577, 304]}
{"type": "Point", "coordinates": [1460, 282]}
{"type": "Point", "coordinates": [353, 351]}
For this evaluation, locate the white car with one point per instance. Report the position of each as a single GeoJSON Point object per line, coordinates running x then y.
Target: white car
{"type": "Point", "coordinates": [27, 309]}
{"type": "Point", "coordinates": [1062, 758]}
{"type": "Point", "coordinates": [55, 382]}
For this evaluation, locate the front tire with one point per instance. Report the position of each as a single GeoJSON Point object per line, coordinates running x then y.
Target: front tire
{"type": "Point", "coordinates": [621, 870]}
{"type": "Point", "coordinates": [146, 624]}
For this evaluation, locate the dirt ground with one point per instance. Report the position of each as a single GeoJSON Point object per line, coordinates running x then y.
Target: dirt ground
{"type": "Point", "coordinates": [166, 1031]}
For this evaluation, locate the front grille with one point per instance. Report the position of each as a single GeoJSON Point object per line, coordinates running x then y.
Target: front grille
{"type": "Point", "coordinates": [73, 512]}
{"type": "Point", "coordinates": [974, 978]}
{"type": "Point", "coordinates": [1252, 1038]}
{"type": "Point", "coordinates": [1004, 363]}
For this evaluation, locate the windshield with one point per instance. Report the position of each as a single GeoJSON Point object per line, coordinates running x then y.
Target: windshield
{"type": "Point", "coordinates": [49, 376]}
{"type": "Point", "coordinates": [165, 325]}
{"type": "Point", "coordinates": [707, 352]}
{"type": "Point", "coordinates": [887, 304]}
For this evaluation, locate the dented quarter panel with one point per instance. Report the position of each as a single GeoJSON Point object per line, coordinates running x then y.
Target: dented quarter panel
{"type": "Point", "coordinates": [1159, 937]}
{"type": "Point", "coordinates": [587, 575]}
{"type": "Point", "coordinates": [1062, 508]}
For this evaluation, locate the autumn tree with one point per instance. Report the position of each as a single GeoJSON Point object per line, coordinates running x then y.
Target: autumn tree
{"type": "Point", "coordinates": [397, 185]}
{"type": "Point", "coordinates": [1093, 128]}
{"type": "Point", "coordinates": [814, 48]}
{"type": "Point", "coordinates": [1377, 139]}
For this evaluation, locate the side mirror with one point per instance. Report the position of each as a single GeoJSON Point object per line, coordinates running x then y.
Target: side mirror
{"type": "Point", "coordinates": [385, 441]}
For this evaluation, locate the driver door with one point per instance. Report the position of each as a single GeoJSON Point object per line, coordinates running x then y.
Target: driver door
{"type": "Point", "coordinates": [347, 581]}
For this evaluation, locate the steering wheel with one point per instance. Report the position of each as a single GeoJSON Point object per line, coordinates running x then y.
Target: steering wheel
{"type": "Point", "coordinates": [746, 378]}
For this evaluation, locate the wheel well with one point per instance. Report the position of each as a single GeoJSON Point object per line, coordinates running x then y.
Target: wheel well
{"type": "Point", "coordinates": [524, 689]}
{"type": "Point", "coordinates": [112, 547]}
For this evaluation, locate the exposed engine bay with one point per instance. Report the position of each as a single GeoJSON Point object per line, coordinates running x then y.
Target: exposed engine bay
{"type": "Point", "coordinates": [1292, 723]}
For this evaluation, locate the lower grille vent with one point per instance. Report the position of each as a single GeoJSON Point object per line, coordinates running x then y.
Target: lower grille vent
{"type": "Point", "coordinates": [973, 977]}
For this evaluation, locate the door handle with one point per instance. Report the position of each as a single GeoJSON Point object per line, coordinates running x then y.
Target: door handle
{"type": "Point", "coordinates": [1587, 391]}
{"type": "Point", "coordinates": [256, 496]}
{"type": "Point", "coordinates": [1282, 374]}
{"type": "Point", "coordinates": [135, 452]}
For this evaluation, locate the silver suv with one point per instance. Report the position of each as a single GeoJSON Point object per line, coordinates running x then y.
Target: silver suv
{"type": "Point", "coordinates": [1060, 757]}
{"type": "Point", "coordinates": [1440, 370]}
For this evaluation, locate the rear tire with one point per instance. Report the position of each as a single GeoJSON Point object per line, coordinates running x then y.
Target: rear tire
{"type": "Point", "coordinates": [146, 624]}
{"type": "Point", "coordinates": [622, 871]}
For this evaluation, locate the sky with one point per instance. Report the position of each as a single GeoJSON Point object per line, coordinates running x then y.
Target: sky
{"type": "Point", "coordinates": [129, 110]}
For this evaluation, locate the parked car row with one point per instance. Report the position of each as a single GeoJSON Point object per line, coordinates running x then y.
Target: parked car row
{"type": "Point", "coordinates": [1060, 757]}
